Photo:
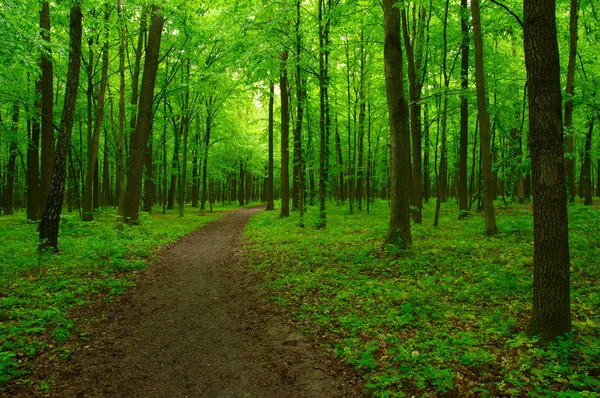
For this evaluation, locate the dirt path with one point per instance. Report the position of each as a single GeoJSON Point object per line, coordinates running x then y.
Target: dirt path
{"type": "Point", "coordinates": [199, 325]}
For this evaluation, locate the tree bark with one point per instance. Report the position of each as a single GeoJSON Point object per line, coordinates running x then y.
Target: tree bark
{"type": "Point", "coordinates": [33, 161]}
{"type": "Point", "coordinates": [484, 125]}
{"type": "Point", "coordinates": [285, 137]}
{"type": "Point", "coordinates": [270, 172]}
{"type": "Point", "coordinates": [551, 315]}
{"type": "Point", "coordinates": [94, 139]}
{"type": "Point", "coordinates": [139, 138]}
{"type": "Point", "coordinates": [570, 91]}
{"type": "Point", "coordinates": [414, 51]}
{"type": "Point", "coordinates": [120, 183]}
{"type": "Point", "coordinates": [399, 232]}
{"type": "Point", "coordinates": [51, 218]}
{"type": "Point", "coordinates": [464, 112]}
{"type": "Point", "coordinates": [12, 162]}
{"type": "Point", "coordinates": [586, 168]}
{"type": "Point", "coordinates": [47, 92]}
{"type": "Point", "coordinates": [203, 196]}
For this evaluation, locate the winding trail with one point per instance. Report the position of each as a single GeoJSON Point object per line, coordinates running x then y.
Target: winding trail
{"type": "Point", "coordinates": [200, 326]}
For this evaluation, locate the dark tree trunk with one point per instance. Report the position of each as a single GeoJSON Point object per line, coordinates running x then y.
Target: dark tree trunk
{"type": "Point", "coordinates": [442, 181]}
{"type": "Point", "coordinates": [106, 193]}
{"type": "Point", "coordinates": [570, 91]}
{"type": "Point", "coordinates": [551, 315]}
{"type": "Point", "coordinates": [47, 92]}
{"type": "Point", "coordinates": [285, 138]}
{"type": "Point", "coordinates": [120, 180]}
{"type": "Point", "coordinates": [209, 111]}
{"type": "Point", "coordinates": [586, 168]}
{"type": "Point", "coordinates": [96, 202]}
{"type": "Point", "coordinates": [324, 24]}
{"type": "Point", "coordinates": [195, 176]}
{"type": "Point", "coordinates": [464, 112]}
{"type": "Point", "coordinates": [90, 191]}
{"type": "Point", "coordinates": [399, 229]}
{"type": "Point", "coordinates": [270, 172]}
{"type": "Point", "coordinates": [298, 161]}
{"type": "Point", "coordinates": [426, 170]}
{"type": "Point", "coordinates": [414, 51]}
{"type": "Point", "coordinates": [33, 162]}
{"type": "Point", "coordinates": [183, 184]}
{"type": "Point", "coordinates": [242, 190]}
{"type": "Point", "coordinates": [9, 193]}
{"type": "Point", "coordinates": [139, 137]}
{"type": "Point", "coordinates": [149, 186]}
{"type": "Point", "coordinates": [51, 218]}
{"type": "Point", "coordinates": [484, 125]}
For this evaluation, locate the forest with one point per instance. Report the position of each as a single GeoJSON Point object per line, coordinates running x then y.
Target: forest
{"type": "Point", "coordinates": [429, 171]}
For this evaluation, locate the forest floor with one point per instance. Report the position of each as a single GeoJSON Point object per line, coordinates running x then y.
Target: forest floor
{"type": "Point", "coordinates": [197, 324]}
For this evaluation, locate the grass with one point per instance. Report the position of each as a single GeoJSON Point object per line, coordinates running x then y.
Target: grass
{"type": "Point", "coordinates": [97, 260]}
{"type": "Point", "coordinates": [447, 318]}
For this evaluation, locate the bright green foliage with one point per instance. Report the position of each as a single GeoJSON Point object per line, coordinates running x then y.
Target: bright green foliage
{"type": "Point", "coordinates": [98, 260]}
{"type": "Point", "coordinates": [447, 318]}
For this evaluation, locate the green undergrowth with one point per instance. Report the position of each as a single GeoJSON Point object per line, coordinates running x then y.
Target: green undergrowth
{"type": "Point", "coordinates": [97, 260]}
{"type": "Point", "coordinates": [447, 318]}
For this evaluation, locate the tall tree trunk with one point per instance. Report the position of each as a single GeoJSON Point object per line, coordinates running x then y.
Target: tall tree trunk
{"type": "Point", "coordinates": [209, 111]}
{"type": "Point", "coordinates": [121, 138]}
{"type": "Point", "coordinates": [484, 125]}
{"type": "Point", "coordinates": [139, 137]}
{"type": "Point", "coordinates": [149, 186]}
{"type": "Point", "coordinates": [360, 174]}
{"type": "Point", "coordinates": [464, 112]}
{"type": "Point", "coordinates": [96, 201]}
{"type": "Point", "coordinates": [33, 161]}
{"type": "Point", "coordinates": [285, 137]}
{"type": "Point", "coordinates": [349, 127]}
{"type": "Point", "coordinates": [51, 218]}
{"type": "Point", "coordinates": [9, 193]}
{"type": "Point", "coordinates": [426, 170]}
{"type": "Point", "coordinates": [270, 172]}
{"type": "Point", "coordinates": [340, 159]}
{"type": "Point", "coordinates": [174, 165]}
{"type": "Point", "coordinates": [47, 93]}
{"type": "Point", "coordinates": [441, 182]}
{"type": "Point", "coordinates": [242, 190]}
{"type": "Point", "coordinates": [586, 168]}
{"type": "Point", "coordinates": [298, 161]}
{"type": "Point", "coordinates": [399, 229]}
{"type": "Point", "coordinates": [94, 139]}
{"type": "Point", "coordinates": [106, 194]}
{"type": "Point", "coordinates": [195, 175]}
{"type": "Point", "coordinates": [186, 129]}
{"type": "Point", "coordinates": [324, 24]}
{"type": "Point", "coordinates": [412, 45]}
{"type": "Point", "coordinates": [570, 91]}
{"type": "Point", "coordinates": [551, 315]}
{"type": "Point", "coordinates": [298, 157]}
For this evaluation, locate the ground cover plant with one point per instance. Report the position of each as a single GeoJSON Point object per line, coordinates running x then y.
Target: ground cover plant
{"type": "Point", "coordinates": [448, 317]}
{"type": "Point", "coordinates": [97, 261]}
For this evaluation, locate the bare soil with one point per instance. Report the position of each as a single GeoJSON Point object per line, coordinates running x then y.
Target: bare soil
{"type": "Point", "coordinates": [198, 324]}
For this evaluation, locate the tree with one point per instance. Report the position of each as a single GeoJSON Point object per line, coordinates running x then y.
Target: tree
{"type": "Point", "coordinates": [285, 137]}
{"type": "Point", "coordinates": [464, 110]}
{"type": "Point", "coordinates": [551, 315]}
{"type": "Point", "coordinates": [484, 125]}
{"type": "Point", "coordinates": [47, 108]}
{"type": "Point", "coordinates": [399, 231]}
{"type": "Point", "coordinates": [139, 137]}
{"type": "Point", "coordinates": [570, 91]}
{"type": "Point", "coordinates": [51, 218]}
{"type": "Point", "coordinates": [270, 172]}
